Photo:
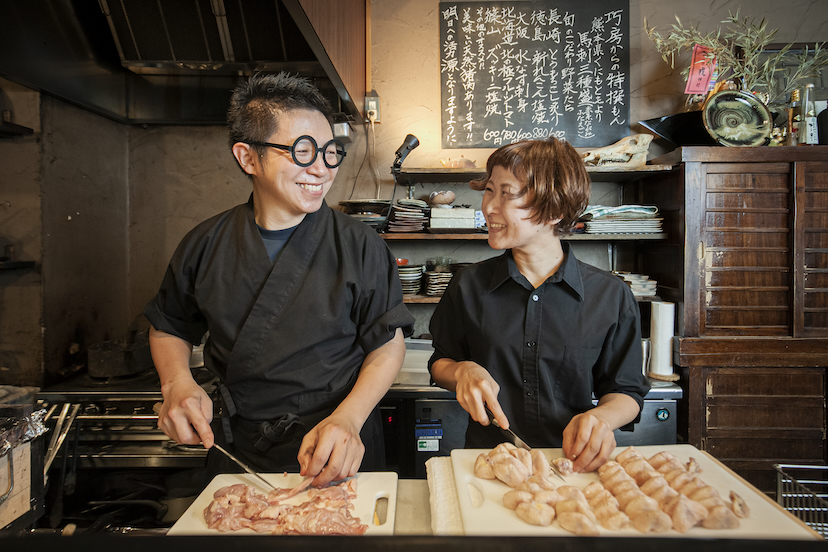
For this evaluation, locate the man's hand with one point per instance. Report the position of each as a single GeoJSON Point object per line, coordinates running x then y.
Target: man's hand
{"type": "Point", "coordinates": [186, 413]}
{"type": "Point", "coordinates": [332, 450]}
{"type": "Point", "coordinates": [588, 441]}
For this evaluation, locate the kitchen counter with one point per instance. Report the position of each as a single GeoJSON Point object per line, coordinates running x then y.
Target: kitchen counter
{"type": "Point", "coordinates": [412, 534]}
{"type": "Point", "coordinates": [106, 543]}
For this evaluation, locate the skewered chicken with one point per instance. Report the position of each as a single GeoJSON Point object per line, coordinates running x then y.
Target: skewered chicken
{"type": "Point", "coordinates": [536, 513]}
{"type": "Point", "coordinates": [653, 495]}
{"type": "Point", "coordinates": [564, 465]}
{"type": "Point", "coordinates": [578, 523]}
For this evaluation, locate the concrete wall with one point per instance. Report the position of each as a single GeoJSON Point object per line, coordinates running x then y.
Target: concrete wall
{"type": "Point", "coordinates": [21, 296]}
{"type": "Point", "coordinates": [85, 209]}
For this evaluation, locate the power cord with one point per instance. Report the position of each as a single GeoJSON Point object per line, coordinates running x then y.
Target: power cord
{"type": "Point", "coordinates": [372, 117]}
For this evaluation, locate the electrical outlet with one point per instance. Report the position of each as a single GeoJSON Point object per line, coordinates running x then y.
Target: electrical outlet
{"type": "Point", "coordinates": [372, 103]}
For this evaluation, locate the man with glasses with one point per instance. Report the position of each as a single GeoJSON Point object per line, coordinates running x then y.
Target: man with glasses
{"type": "Point", "coordinates": [302, 303]}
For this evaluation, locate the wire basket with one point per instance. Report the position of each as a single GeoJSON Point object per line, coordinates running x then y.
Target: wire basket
{"type": "Point", "coordinates": [803, 491]}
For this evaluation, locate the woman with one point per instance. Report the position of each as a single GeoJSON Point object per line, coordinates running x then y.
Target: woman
{"type": "Point", "coordinates": [535, 333]}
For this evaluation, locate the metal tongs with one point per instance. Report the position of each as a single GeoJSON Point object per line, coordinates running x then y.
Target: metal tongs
{"type": "Point", "coordinates": [520, 443]}
{"type": "Point", "coordinates": [62, 427]}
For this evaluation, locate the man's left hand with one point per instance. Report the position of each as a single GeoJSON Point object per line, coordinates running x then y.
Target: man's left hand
{"type": "Point", "coordinates": [332, 450]}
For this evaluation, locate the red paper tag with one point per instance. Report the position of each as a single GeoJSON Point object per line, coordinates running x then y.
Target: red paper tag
{"type": "Point", "coordinates": [700, 71]}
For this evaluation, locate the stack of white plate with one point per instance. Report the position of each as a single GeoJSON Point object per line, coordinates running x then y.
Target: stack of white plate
{"type": "Point", "coordinates": [409, 215]}
{"type": "Point", "coordinates": [623, 226]}
{"type": "Point", "coordinates": [640, 284]}
{"type": "Point", "coordinates": [437, 282]}
{"type": "Point", "coordinates": [411, 278]}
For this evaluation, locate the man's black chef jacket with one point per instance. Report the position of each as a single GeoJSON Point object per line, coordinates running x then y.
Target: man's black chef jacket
{"type": "Point", "coordinates": [549, 348]}
{"type": "Point", "coordinates": [289, 337]}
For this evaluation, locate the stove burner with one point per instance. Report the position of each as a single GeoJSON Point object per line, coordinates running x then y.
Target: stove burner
{"type": "Point", "coordinates": [148, 376]}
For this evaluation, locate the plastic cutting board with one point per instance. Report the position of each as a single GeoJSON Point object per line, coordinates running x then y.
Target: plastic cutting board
{"type": "Point", "coordinates": [483, 513]}
{"type": "Point", "coordinates": [370, 487]}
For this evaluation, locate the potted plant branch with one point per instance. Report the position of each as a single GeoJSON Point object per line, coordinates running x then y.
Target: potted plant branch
{"type": "Point", "coordinates": [739, 51]}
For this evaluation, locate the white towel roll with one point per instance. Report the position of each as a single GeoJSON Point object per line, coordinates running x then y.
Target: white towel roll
{"type": "Point", "coordinates": [662, 330]}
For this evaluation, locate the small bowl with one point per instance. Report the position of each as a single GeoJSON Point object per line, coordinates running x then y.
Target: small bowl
{"type": "Point", "coordinates": [402, 262]}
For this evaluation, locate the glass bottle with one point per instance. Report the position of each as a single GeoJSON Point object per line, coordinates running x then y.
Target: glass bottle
{"type": "Point", "coordinates": [794, 116]}
{"type": "Point", "coordinates": [808, 135]}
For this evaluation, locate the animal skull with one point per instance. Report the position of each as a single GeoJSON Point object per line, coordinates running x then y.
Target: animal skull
{"type": "Point", "coordinates": [630, 151]}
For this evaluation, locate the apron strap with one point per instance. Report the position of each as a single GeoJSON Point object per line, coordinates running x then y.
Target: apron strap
{"type": "Point", "coordinates": [228, 409]}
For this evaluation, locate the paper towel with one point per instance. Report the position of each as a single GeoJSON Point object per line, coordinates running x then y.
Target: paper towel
{"type": "Point", "coordinates": [442, 497]}
{"type": "Point", "coordinates": [662, 329]}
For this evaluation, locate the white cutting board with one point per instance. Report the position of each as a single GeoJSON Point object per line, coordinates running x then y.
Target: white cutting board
{"type": "Point", "coordinates": [371, 486]}
{"type": "Point", "coordinates": [489, 517]}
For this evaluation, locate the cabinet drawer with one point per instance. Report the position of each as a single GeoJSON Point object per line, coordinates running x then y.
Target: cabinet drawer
{"type": "Point", "coordinates": [788, 413]}
{"type": "Point", "coordinates": [800, 382]}
{"type": "Point", "coordinates": [772, 450]}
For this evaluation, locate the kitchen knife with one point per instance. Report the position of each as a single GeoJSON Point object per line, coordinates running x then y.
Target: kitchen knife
{"type": "Point", "coordinates": [157, 409]}
{"type": "Point", "coordinates": [244, 466]}
{"type": "Point", "coordinates": [520, 443]}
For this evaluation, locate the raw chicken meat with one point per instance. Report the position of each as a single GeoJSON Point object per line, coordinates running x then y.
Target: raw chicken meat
{"type": "Point", "coordinates": [514, 497]}
{"type": "Point", "coordinates": [564, 465]}
{"type": "Point", "coordinates": [721, 517]}
{"type": "Point", "coordinates": [326, 512]}
{"type": "Point", "coordinates": [578, 523]}
{"type": "Point", "coordinates": [510, 470]}
{"type": "Point", "coordinates": [685, 513]}
{"type": "Point", "coordinates": [540, 464]}
{"type": "Point", "coordinates": [483, 467]}
{"type": "Point", "coordinates": [738, 505]}
{"type": "Point", "coordinates": [536, 513]}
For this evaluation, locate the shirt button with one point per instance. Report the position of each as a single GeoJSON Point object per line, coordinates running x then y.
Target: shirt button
{"type": "Point", "coordinates": [530, 344]}
{"type": "Point", "coordinates": [528, 393]}
{"type": "Point", "coordinates": [535, 298]}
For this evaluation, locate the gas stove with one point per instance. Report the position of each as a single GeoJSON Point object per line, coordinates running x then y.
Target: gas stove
{"type": "Point", "coordinates": [116, 426]}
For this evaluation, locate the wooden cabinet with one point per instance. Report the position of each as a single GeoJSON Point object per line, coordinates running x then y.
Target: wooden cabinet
{"type": "Point", "coordinates": [746, 260]}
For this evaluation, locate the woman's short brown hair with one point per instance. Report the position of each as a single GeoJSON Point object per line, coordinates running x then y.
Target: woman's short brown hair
{"type": "Point", "coordinates": [553, 174]}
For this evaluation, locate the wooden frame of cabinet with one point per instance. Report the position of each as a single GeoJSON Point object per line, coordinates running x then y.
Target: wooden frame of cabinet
{"type": "Point", "coordinates": [746, 260]}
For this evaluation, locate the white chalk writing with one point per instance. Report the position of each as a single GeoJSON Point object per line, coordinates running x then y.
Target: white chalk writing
{"type": "Point", "coordinates": [530, 69]}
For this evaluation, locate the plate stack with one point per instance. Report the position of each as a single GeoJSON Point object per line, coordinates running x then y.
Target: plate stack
{"type": "Point", "coordinates": [622, 219]}
{"type": "Point", "coordinates": [411, 278]}
{"type": "Point", "coordinates": [621, 225]}
{"type": "Point", "coordinates": [373, 212]}
{"type": "Point", "coordinates": [640, 284]}
{"type": "Point", "coordinates": [437, 282]}
{"type": "Point", "coordinates": [408, 215]}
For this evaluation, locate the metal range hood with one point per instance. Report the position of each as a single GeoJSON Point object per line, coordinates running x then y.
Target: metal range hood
{"type": "Point", "coordinates": [175, 61]}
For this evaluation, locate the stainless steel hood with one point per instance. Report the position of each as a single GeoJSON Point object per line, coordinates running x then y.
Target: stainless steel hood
{"type": "Point", "coordinates": [161, 61]}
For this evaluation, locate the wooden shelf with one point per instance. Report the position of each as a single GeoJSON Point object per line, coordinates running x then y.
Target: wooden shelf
{"type": "Point", "coordinates": [421, 299]}
{"type": "Point", "coordinates": [14, 265]}
{"type": "Point", "coordinates": [409, 177]}
{"type": "Point", "coordinates": [429, 236]}
{"type": "Point", "coordinates": [10, 129]}
{"type": "Point", "coordinates": [484, 236]}
{"type": "Point", "coordinates": [434, 299]}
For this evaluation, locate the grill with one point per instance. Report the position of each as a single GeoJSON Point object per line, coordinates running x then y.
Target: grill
{"type": "Point", "coordinates": [115, 426]}
{"type": "Point", "coordinates": [803, 491]}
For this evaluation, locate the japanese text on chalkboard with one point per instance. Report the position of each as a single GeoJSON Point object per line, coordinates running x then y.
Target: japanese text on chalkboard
{"type": "Point", "coordinates": [514, 71]}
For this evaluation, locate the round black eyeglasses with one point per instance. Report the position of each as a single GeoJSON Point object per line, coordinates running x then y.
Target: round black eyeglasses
{"type": "Point", "coordinates": [304, 151]}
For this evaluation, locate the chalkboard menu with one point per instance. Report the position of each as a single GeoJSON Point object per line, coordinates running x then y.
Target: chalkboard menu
{"type": "Point", "coordinates": [514, 71]}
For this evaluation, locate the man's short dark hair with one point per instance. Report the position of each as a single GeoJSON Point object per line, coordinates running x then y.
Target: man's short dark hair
{"type": "Point", "coordinates": [554, 177]}
{"type": "Point", "coordinates": [258, 103]}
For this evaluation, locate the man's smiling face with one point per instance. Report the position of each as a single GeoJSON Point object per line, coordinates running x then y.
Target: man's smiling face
{"type": "Point", "coordinates": [295, 190]}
